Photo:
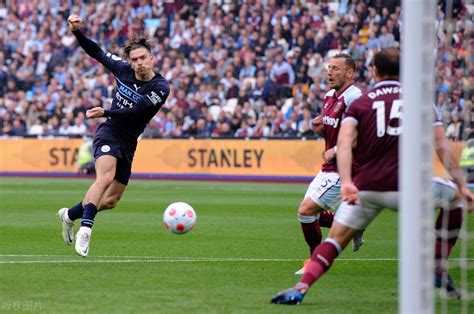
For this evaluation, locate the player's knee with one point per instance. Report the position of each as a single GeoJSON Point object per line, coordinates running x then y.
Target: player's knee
{"type": "Point", "coordinates": [308, 209]}
{"type": "Point", "coordinates": [305, 211]}
{"type": "Point", "coordinates": [106, 179]}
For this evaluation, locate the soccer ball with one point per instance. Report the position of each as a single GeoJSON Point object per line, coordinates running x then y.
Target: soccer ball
{"type": "Point", "coordinates": [179, 217]}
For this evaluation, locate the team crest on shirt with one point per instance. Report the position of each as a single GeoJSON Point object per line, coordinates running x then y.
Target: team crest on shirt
{"type": "Point", "coordinates": [105, 148]}
{"type": "Point", "coordinates": [338, 106]}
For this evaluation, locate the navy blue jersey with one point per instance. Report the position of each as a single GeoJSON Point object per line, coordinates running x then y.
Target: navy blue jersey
{"type": "Point", "coordinates": [134, 102]}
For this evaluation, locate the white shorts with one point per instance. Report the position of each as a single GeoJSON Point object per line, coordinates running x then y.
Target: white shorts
{"type": "Point", "coordinates": [325, 190]}
{"type": "Point", "coordinates": [444, 192]}
{"type": "Point", "coordinates": [373, 202]}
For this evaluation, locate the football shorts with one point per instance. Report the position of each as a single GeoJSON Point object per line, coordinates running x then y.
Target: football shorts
{"type": "Point", "coordinates": [123, 170]}
{"type": "Point", "coordinates": [325, 189]}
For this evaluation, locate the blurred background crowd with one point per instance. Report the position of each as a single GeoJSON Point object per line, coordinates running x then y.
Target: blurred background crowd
{"type": "Point", "coordinates": [237, 68]}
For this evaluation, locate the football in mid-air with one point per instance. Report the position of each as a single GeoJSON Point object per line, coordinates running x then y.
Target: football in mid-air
{"type": "Point", "coordinates": [179, 217]}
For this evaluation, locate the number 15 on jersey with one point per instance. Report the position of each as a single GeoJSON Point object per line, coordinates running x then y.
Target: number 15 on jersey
{"type": "Point", "coordinates": [395, 113]}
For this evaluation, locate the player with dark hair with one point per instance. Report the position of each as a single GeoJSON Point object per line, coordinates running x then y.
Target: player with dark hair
{"type": "Point", "coordinates": [139, 94]}
{"type": "Point", "coordinates": [369, 135]}
{"type": "Point", "coordinates": [323, 193]}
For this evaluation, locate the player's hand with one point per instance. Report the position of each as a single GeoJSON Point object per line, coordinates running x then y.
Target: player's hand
{"type": "Point", "coordinates": [74, 22]}
{"type": "Point", "coordinates": [350, 193]}
{"type": "Point", "coordinates": [95, 112]}
{"type": "Point", "coordinates": [329, 155]}
{"type": "Point", "coordinates": [468, 198]}
{"type": "Point", "coordinates": [317, 125]}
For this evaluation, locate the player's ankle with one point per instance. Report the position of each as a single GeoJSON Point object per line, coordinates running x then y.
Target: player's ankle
{"type": "Point", "coordinates": [302, 287]}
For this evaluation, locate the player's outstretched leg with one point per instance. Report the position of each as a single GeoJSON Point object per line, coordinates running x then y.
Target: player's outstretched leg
{"type": "Point", "coordinates": [321, 261]}
{"type": "Point", "coordinates": [67, 225]}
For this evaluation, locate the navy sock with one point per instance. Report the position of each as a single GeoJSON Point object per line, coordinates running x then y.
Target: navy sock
{"type": "Point", "coordinates": [76, 211]}
{"type": "Point", "coordinates": [90, 210]}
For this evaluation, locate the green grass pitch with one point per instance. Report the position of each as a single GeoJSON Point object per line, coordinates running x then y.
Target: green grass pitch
{"type": "Point", "coordinates": [245, 248]}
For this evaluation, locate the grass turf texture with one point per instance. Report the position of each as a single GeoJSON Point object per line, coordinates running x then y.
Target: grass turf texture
{"type": "Point", "coordinates": [245, 248]}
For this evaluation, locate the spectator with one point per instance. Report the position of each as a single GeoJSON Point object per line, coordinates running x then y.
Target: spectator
{"type": "Point", "coordinates": [201, 131]}
{"type": "Point", "coordinates": [283, 76]}
{"type": "Point", "coordinates": [79, 127]}
{"type": "Point", "coordinates": [223, 130]}
{"type": "Point", "coordinates": [245, 130]}
{"type": "Point", "coordinates": [386, 39]}
{"type": "Point", "coordinates": [37, 128]}
{"type": "Point", "coordinates": [18, 127]}
{"type": "Point", "coordinates": [304, 125]}
{"type": "Point", "coordinates": [248, 70]}
{"type": "Point", "coordinates": [52, 128]}
{"type": "Point", "coordinates": [152, 130]}
{"type": "Point", "coordinates": [65, 127]}
{"type": "Point", "coordinates": [454, 130]}
{"type": "Point", "coordinates": [169, 125]}
{"type": "Point", "coordinates": [209, 54]}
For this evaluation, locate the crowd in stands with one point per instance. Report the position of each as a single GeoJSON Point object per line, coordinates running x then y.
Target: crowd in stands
{"type": "Point", "coordinates": [237, 68]}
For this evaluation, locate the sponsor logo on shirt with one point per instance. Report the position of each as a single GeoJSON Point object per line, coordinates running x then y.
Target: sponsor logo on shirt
{"type": "Point", "coordinates": [331, 121]}
{"type": "Point", "coordinates": [128, 92]}
{"type": "Point", "coordinates": [154, 98]}
{"type": "Point", "coordinates": [123, 102]}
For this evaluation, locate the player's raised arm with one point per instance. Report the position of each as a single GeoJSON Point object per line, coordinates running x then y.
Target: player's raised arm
{"type": "Point", "coordinates": [74, 22]}
{"type": "Point", "coordinates": [113, 63]}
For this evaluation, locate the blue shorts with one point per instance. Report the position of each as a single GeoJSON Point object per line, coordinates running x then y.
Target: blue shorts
{"type": "Point", "coordinates": [110, 147]}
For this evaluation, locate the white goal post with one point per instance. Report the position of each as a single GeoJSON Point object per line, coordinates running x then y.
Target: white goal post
{"type": "Point", "coordinates": [416, 234]}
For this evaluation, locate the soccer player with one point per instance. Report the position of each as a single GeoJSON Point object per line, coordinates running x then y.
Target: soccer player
{"type": "Point", "coordinates": [369, 134]}
{"type": "Point", "coordinates": [139, 94]}
{"type": "Point", "coordinates": [323, 192]}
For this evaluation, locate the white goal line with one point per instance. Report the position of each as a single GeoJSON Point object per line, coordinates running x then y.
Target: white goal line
{"type": "Point", "coordinates": [58, 259]}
